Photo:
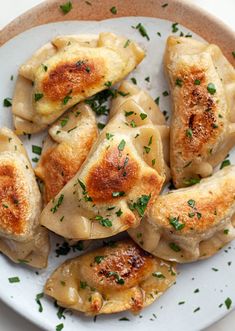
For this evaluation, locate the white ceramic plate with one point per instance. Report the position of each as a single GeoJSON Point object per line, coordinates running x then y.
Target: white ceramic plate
{"type": "Point", "coordinates": [201, 287]}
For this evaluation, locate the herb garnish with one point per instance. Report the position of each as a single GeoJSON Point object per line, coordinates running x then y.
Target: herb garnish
{"type": "Point", "coordinates": [174, 247]}
{"type": "Point", "coordinates": [37, 96]}
{"type": "Point", "coordinates": [122, 144]}
{"type": "Point", "coordinates": [164, 5]}
{"type": "Point", "coordinates": [119, 212]}
{"type": "Point", "coordinates": [14, 280]}
{"type": "Point", "coordinates": [179, 82]}
{"type": "Point", "coordinates": [197, 82]}
{"type": "Point", "coordinates": [65, 248]}
{"type": "Point", "coordinates": [117, 277]}
{"type": "Point", "coordinates": [44, 67]}
{"type": "Point", "coordinates": [141, 204]}
{"type": "Point", "coordinates": [211, 88]}
{"type": "Point", "coordinates": [191, 181]}
{"type": "Point", "coordinates": [64, 121]}
{"type": "Point", "coordinates": [109, 135]}
{"type": "Point", "coordinates": [124, 319]}
{"type": "Point", "coordinates": [83, 285]}
{"type": "Point", "coordinates": [158, 274]}
{"type": "Point", "coordinates": [174, 221]}
{"type": "Point", "coordinates": [134, 81]}
{"type": "Point", "coordinates": [157, 100]}
{"type": "Point", "coordinates": [174, 27]}
{"type": "Point", "coordinates": [228, 303]}
{"type": "Point", "coordinates": [113, 10]}
{"type": "Point", "coordinates": [36, 149]}
{"type": "Point", "coordinates": [84, 191]}
{"type": "Point", "coordinates": [225, 163]}
{"type": "Point", "coordinates": [37, 299]}
{"type": "Point", "coordinates": [104, 221]}
{"type": "Point", "coordinates": [141, 30]}
{"type": "Point", "coordinates": [66, 99]}
{"type": "Point", "coordinates": [58, 203]}
{"type": "Point", "coordinates": [143, 116]}
{"type": "Point", "coordinates": [66, 7]}
{"type": "Point", "coordinates": [7, 102]}
{"type": "Point", "coordinates": [98, 259]}
{"type": "Point", "coordinates": [127, 43]}
{"type": "Point", "coordinates": [191, 203]}
{"type": "Point", "coordinates": [189, 133]}
{"type": "Point", "coordinates": [165, 93]}
{"type": "Point", "coordinates": [59, 327]}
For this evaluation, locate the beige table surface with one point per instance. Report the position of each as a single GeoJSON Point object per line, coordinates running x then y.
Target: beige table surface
{"type": "Point", "coordinates": [225, 10]}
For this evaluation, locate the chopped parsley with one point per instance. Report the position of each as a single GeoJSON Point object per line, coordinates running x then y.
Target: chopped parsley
{"type": "Point", "coordinates": [98, 102]}
{"type": "Point", "coordinates": [44, 67]}
{"type": "Point", "coordinates": [147, 149]}
{"type": "Point", "coordinates": [189, 133]}
{"type": "Point", "coordinates": [119, 213]}
{"type": "Point", "coordinates": [65, 248]}
{"type": "Point", "coordinates": [165, 93]}
{"type": "Point", "coordinates": [14, 280]}
{"type": "Point", "coordinates": [174, 221]}
{"type": "Point", "coordinates": [179, 82]}
{"type": "Point", "coordinates": [157, 100]}
{"type": "Point", "coordinates": [66, 7]}
{"type": "Point", "coordinates": [109, 135]}
{"type": "Point", "coordinates": [233, 54]}
{"type": "Point", "coordinates": [104, 221]}
{"type": "Point", "coordinates": [191, 181]}
{"type": "Point", "coordinates": [83, 285]}
{"type": "Point", "coordinates": [226, 231]}
{"type": "Point", "coordinates": [122, 144]}
{"type": "Point", "coordinates": [116, 276]}
{"type": "Point", "coordinates": [181, 303]}
{"type": "Point", "coordinates": [197, 309]}
{"type": "Point", "coordinates": [147, 79]}
{"type": "Point", "coordinates": [196, 291]}
{"type": "Point", "coordinates": [84, 191]}
{"type": "Point", "coordinates": [164, 5]}
{"type": "Point", "coordinates": [113, 10]}
{"type": "Point", "coordinates": [100, 125]}
{"type": "Point", "coordinates": [127, 43]}
{"type": "Point", "coordinates": [143, 116]}
{"type": "Point", "coordinates": [174, 247]}
{"type": "Point", "coordinates": [35, 159]}
{"type": "Point", "coordinates": [225, 163]}
{"type": "Point", "coordinates": [141, 204]}
{"type": "Point", "coordinates": [191, 203]}
{"type": "Point", "coordinates": [66, 99]}
{"type": "Point", "coordinates": [128, 113]}
{"type": "Point", "coordinates": [214, 269]}
{"type": "Point", "coordinates": [7, 102]}
{"type": "Point", "coordinates": [197, 82]}
{"type": "Point", "coordinates": [153, 162]}
{"type": "Point", "coordinates": [134, 81]}
{"type": "Point", "coordinates": [228, 303]}
{"type": "Point", "coordinates": [64, 121]}
{"type": "Point", "coordinates": [141, 30]}
{"type": "Point", "coordinates": [174, 27]}
{"type": "Point", "coordinates": [124, 319]}
{"type": "Point", "coordinates": [158, 274]}
{"type": "Point", "coordinates": [98, 259]}
{"type": "Point", "coordinates": [132, 124]}
{"type": "Point", "coordinates": [59, 327]}
{"type": "Point", "coordinates": [211, 88]}
{"type": "Point", "coordinates": [36, 149]}
{"type": "Point", "coordinates": [37, 96]}
{"type": "Point", "coordinates": [37, 299]}
{"type": "Point", "coordinates": [58, 203]}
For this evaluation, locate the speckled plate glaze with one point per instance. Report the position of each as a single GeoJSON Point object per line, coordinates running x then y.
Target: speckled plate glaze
{"type": "Point", "coordinates": [198, 297]}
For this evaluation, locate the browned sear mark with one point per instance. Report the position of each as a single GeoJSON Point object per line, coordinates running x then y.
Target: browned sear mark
{"type": "Point", "coordinates": [73, 78]}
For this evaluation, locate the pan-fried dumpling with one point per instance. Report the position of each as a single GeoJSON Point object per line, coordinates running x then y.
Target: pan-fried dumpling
{"type": "Point", "coordinates": [110, 279]}
{"type": "Point", "coordinates": [129, 91]}
{"type": "Point", "coordinates": [22, 239]}
{"type": "Point", "coordinates": [122, 176]}
{"type": "Point", "coordinates": [202, 84]}
{"type": "Point", "coordinates": [66, 148]}
{"type": "Point", "coordinates": [67, 71]}
{"type": "Point", "coordinates": [191, 223]}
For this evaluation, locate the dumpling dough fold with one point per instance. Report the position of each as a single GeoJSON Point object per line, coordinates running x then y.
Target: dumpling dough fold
{"type": "Point", "coordinates": [110, 279]}
{"type": "Point", "coordinates": [202, 84]}
{"type": "Point", "coordinates": [120, 179]}
{"type": "Point", "coordinates": [22, 239]}
{"type": "Point", "coordinates": [65, 149]}
{"type": "Point", "coordinates": [67, 71]}
{"type": "Point", "coordinates": [191, 223]}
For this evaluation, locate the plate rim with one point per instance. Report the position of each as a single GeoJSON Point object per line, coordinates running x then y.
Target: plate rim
{"type": "Point", "coordinates": [177, 11]}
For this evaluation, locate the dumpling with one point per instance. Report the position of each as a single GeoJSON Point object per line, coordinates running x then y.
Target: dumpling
{"type": "Point", "coordinates": [110, 279]}
{"type": "Point", "coordinates": [191, 223]}
{"type": "Point", "coordinates": [67, 71]}
{"type": "Point", "coordinates": [66, 148]}
{"type": "Point", "coordinates": [22, 239]}
{"type": "Point", "coordinates": [120, 179]}
{"type": "Point", "coordinates": [129, 91]}
{"type": "Point", "coordinates": [202, 85]}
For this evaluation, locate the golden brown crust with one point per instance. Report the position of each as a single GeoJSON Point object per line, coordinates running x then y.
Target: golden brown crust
{"type": "Point", "coordinates": [67, 79]}
{"type": "Point", "coordinates": [13, 203]}
{"type": "Point", "coordinates": [117, 277]}
{"type": "Point", "coordinates": [116, 172]}
{"type": "Point", "coordinates": [198, 113]}
{"type": "Point", "coordinates": [59, 165]}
